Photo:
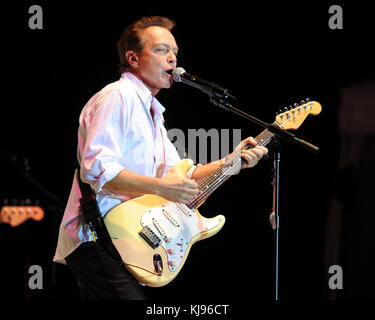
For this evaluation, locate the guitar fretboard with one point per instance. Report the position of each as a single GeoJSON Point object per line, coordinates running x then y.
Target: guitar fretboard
{"type": "Point", "coordinates": [225, 171]}
{"type": "Point", "coordinates": [290, 119]}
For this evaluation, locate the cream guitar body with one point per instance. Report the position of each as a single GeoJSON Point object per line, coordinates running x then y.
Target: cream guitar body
{"type": "Point", "coordinates": [154, 236]}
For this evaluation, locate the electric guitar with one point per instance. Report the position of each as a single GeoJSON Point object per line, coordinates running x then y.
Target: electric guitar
{"type": "Point", "coordinates": [154, 236]}
{"type": "Point", "coordinates": [16, 215]}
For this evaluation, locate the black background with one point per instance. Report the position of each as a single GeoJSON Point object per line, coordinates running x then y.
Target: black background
{"type": "Point", "coordinates": [269, 55]}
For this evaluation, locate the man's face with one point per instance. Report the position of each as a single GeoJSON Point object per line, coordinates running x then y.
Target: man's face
{"type": "Point", "coordinates": [158, 56]}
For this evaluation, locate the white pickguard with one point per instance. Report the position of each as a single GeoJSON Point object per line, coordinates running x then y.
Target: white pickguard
{"type": "Point", "coordinates": [176, 225]}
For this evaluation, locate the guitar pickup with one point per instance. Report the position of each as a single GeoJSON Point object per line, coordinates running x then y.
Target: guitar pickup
{"type": "Point", "coordinates": [150, 237]}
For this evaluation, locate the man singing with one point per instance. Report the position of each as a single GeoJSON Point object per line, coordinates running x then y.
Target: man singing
{"type": "Point", "coordinates": [124, 152]}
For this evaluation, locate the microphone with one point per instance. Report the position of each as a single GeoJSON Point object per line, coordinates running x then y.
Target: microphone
{"type": "Point", "coordinates": [212, 89]}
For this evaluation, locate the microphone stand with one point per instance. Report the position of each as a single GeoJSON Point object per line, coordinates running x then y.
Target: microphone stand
{"type": "Point", "coordinates": [275, 213]}
{"type": "Point", "coordinates": [220, 100]}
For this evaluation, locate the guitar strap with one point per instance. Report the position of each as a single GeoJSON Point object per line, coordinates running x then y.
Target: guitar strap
{"type": "Point", "coordinates": [93, 218]}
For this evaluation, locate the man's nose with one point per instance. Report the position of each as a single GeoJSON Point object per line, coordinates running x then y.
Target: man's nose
{"type": "Point", "coordinates": [172, 59]}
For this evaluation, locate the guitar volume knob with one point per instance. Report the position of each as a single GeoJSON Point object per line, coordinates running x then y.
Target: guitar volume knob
{"type": "Point", "coordinates": [172, 263]}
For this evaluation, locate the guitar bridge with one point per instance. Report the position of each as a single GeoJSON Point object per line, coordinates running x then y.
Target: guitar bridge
{"type": "Point", "coordinates": [150, 237]}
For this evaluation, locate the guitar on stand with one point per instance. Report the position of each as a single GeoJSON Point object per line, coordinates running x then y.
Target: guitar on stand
{"type": "Point", "coordinates": [28, 218]}
{"type": "Point", "coordinates": [14, 215]}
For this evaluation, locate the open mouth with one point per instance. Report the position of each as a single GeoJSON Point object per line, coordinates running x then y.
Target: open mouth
{"type": "Point", "coordinates": [170, 71]}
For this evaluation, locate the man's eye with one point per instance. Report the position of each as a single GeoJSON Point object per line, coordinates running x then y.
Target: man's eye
{"type": "Point", "coordinates": [161, 49]}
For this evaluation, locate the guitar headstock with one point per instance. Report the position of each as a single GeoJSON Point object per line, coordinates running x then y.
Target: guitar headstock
{"type": "Point", "coordinates": [16, 215]}
{"type": "Point", "coordinates": [292, 118]}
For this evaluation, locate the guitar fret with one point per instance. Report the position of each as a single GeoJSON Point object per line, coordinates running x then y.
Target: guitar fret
{"type": "Point", "coordinates": [211, 183]}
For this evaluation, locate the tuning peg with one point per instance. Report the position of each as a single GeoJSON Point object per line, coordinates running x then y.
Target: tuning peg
{"type": "Point", "coordinates": [302, 102]}
{"type": "Point", "coordinates": [295, 105]}
{"type": "Point", "coordinates": [308, 100]}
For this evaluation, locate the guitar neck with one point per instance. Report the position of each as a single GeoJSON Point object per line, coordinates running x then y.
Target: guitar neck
{"type": "Point", "coordinates": [290, 119]}
{"type": "Point", "coordinates": [225, 171]}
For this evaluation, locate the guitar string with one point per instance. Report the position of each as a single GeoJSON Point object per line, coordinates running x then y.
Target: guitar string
{"type": "Point", "coordinates": [259, 138]}
{"type": "Point", "coordinates": [209, 179]}
{"type": "Point", "coordinates": [180, 207]}
{"type": "Point", "coordinates": [233, 163]}
{"type": "Point", "coordinates": [223, 177]}
{"type": "Point", "coordinates": [218, 173]}
{"type": "Point", "coordinates": [204, 195]}
{"type": "Point", "coordinates": [265, 136]}
{"type": "Point", "coordinates": [263, 139]}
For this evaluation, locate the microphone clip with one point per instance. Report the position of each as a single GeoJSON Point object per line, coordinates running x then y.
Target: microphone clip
{"type": "Point", "coordinates": [218, 95]}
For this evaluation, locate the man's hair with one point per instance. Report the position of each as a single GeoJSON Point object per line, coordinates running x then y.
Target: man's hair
{"type": "Point", "coordinates": [131, 37]}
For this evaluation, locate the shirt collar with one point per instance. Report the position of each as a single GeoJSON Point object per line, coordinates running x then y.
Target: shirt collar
{"type": "Point", "coordinates": [143, 92]}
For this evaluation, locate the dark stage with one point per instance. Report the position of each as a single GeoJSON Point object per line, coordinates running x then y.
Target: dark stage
{"type": "Point", "coordinates": [269, 56]}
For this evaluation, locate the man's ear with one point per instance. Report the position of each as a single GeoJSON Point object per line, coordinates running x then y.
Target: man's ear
{"type": "Point", "coordinates": [132, 58]}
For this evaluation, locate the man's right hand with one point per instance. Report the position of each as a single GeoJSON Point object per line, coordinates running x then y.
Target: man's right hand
{"type": "Point", "coordinates": [177, 188]}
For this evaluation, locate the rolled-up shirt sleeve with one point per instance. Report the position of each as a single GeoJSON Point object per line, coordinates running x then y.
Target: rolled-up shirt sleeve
{"type": "Point", "coordinates": [102, 134]}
